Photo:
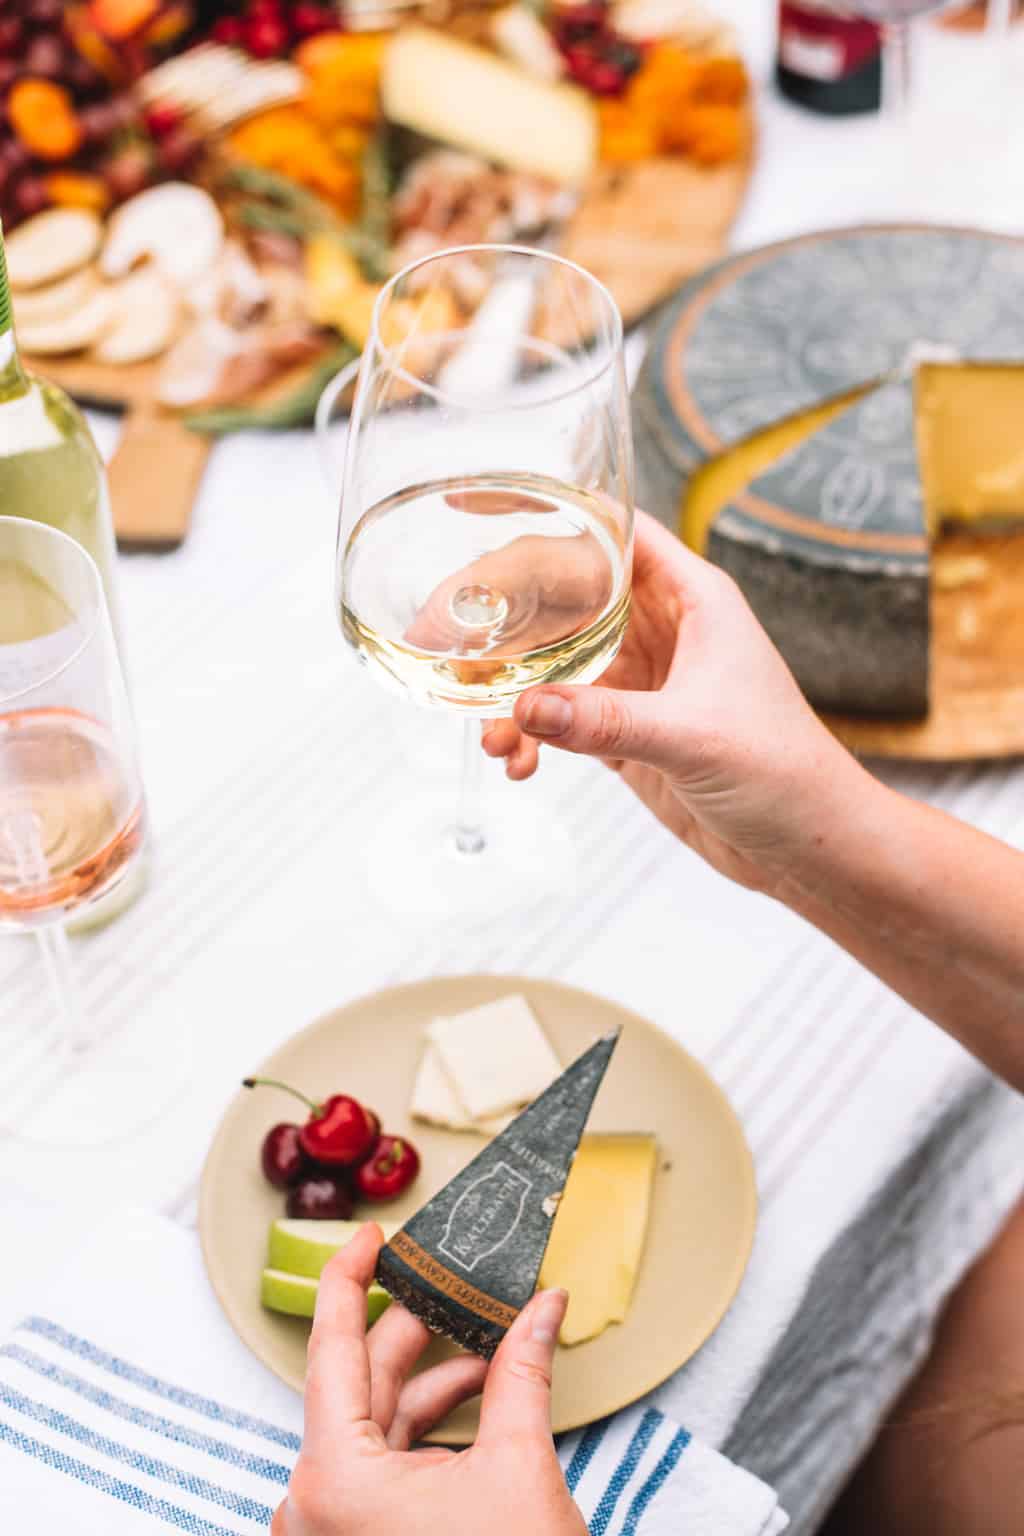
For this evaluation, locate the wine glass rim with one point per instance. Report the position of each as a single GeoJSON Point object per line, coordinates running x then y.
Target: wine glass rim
{"type": "Point", "coordinates": [444, 397]}
{"type": "Point", "coordinates": [89, 625]}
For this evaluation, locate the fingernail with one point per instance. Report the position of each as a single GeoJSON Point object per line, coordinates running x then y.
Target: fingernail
{"type": "Point", "coordinates": [546, 1319]}
{"type": "Point", "coordinates": [548, 715]}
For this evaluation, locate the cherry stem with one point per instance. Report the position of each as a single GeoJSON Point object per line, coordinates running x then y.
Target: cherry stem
{"type": "Point", "coordinates": [272, 1082]}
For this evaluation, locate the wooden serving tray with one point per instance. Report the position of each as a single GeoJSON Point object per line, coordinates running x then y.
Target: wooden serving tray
{"type": "Point", "coordinates": [977, 667]}
{"type": "Point", "coordinates": [640, 229]}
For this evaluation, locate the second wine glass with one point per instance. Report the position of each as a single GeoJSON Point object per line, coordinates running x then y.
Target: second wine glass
{"type": "Point", "coordinates": [485, 535]}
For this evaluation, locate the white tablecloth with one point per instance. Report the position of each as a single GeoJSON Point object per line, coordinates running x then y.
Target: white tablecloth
{"type": "Point", "coordinates": [885, 1157]}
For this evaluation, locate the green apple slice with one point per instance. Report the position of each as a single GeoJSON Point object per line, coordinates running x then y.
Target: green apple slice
{"type": "Point", "coordinates": [296, 1295]}
{"type": "Point", "coordinates": [304, 1247]}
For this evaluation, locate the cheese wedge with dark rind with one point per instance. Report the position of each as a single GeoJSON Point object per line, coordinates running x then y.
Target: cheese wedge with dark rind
{"type": "Point", "coordinates": [468, 1261]}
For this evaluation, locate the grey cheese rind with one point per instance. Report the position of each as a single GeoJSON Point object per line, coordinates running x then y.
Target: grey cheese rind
{"type": "Point", "coordinates": [830, 548]}
{"type": "Point", "coordinates": [856, 640]}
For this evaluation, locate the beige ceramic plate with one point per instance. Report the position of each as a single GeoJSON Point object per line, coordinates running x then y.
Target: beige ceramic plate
{"type": "Point", "coordinates": [702, 1220]}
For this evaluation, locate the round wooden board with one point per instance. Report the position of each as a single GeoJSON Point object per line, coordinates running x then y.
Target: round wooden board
{"type": "Point", "coordinates": [977, 667]}
{"type": "Point", "coordinates": [703, 1208]}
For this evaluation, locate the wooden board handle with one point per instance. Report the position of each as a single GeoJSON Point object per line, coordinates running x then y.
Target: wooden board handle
{"type": "Point", "coordinates": [154, 476]}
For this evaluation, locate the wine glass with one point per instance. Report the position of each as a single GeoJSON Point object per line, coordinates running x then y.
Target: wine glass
{"type": "Point", "coordinates": [485, 538]}
{"type": "Point", "coordinates": [72, 824]}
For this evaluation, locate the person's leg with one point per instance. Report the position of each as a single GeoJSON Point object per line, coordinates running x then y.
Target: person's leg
{"type": "Point", "coordinates": [950, 1459]}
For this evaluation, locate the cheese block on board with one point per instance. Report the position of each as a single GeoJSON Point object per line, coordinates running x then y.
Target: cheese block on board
{"type": "Point", "coordinates": [597, 1241]}
{"type": "Point", "coordinates": [757, 437]}
{"type": "Point", "coordinates": [451, 91]}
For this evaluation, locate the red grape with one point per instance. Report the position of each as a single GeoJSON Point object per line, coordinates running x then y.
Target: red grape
{"type": "Point", "coordinates": [99, 122]}
{"type": "Point", "coordinates": [30, 196]}
{"type": "Point", "coordinates": [266, 37]}
{"type": "Point", "coordinates": [228, 30]}
{"type": "Point", "coordinates": [178, 149]}
{"type": "Point", "coordinates": [45, 13]}
{"type": "Point", "coordinates": [260, 10]}
{"type": "Point", "coordinates": [13, 154]}
{"type": "Point", "coordinates": [84, 79]}
{"type": "Point", "coordinates": [10, 35]}
{"type": "Point", "coordinates": [46, 56]}
{"type": "Point", "coordinates": [308, 19]}
{"type": "Point", "coordinates": [8, 74]}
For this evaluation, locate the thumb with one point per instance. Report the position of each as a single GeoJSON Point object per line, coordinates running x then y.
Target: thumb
{"type": "Point", "coordinates": [601, 722]}
{"type": "Point", "coordinates": [517, 1393]}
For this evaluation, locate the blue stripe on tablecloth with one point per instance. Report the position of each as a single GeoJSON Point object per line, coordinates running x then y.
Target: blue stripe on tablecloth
{"type": "Point", "coordinates": [584, 1453]}
{"type": "Point", "coordinates": [664, 1469]}
{"type": "Point", "coordinates": [221, 1450]}
{"type": "Point", "coordinates": [642, 1438]}
{"type": "Point", "coordinates": [138, 1461]}
{"type": "Point", "coordinates": [126, 1493]}
{"type": "Point", "coordinates": [165, 1389]}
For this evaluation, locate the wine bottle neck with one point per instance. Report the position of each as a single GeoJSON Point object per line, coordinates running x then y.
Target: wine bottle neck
{"type": "Point", "coordinates": [13, 381]}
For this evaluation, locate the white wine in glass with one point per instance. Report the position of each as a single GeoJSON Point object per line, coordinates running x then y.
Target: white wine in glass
{"type": "Point", "coordinates": [72, 826]}
{"type": "Point", "coordinates": [485, 536]}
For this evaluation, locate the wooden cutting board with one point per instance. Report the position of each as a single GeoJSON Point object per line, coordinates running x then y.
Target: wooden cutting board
{"type": "Point", "coordinates": [977, 667]}
{"type": "Point", "coordinates": [640, 229]}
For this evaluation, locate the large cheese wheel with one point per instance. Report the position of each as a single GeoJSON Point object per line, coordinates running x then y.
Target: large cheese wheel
{"type": "Point", "coordinates": [775, 426]}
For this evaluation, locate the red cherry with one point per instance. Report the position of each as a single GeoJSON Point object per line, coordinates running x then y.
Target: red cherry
{"type": "Point", "coordinates": [390, 1169]}
{"type": "Point", "coordinates": [282, 1159]}
{"type": "Point", "coordinates": [260, 10]}
{"type": "Point", "coordinates": [228, 30]}
{"type": "Point", "coordinates": [320, 1199]}
{"type": "Point", "coordinates": [8, 73]}
{"type": "Point", "coordinates": [338, 1132]}
{"type": "Point", "coordinates": [266, 37]}
{"type": "Point", "coordinates": [374, 1120]}
{"type": "Point", "coordinates": [10, 36]}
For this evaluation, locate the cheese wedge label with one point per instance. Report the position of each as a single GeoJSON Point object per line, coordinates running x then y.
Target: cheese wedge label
{"type": "Point", "coordinates": [468, 1261]}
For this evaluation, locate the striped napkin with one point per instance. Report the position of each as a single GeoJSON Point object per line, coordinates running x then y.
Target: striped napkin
{"type": "Point", "coordinates": [127, 1404]}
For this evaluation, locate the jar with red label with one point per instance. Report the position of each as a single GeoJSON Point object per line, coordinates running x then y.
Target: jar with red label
{"type": "Point", "coordinates": [826, 61]}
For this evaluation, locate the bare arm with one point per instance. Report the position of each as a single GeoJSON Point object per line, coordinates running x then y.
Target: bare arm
{"type": "Point", "coordinates": [930, 905]}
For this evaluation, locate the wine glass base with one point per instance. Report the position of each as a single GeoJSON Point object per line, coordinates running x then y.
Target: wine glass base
{"type": "Point", "coordinates": [415, 870]}
{"type": "Point", "coordinates": [103, 1092]}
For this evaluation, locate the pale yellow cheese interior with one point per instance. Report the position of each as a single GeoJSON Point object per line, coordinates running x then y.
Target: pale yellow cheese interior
{"type": "Point", "coordinates": [597, 1240]}
{"type": "Point", "coordinates": [473, 100]}
{"type": "Point", "coordinates": [721, 479]}
{"type": "Point", "coordinates": [970, 442]}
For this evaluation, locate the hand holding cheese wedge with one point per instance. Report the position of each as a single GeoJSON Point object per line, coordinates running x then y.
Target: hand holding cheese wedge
{"type": "Point", "coordinates": [364, 1412]}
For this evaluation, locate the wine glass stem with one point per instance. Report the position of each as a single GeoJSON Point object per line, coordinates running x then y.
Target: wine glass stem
{"type": "Point", "coordinates": [896, 68]}
{"type": "Point", "coordinates": [56, 952]}
{"type": "Point", "coordinates": [469, 836]}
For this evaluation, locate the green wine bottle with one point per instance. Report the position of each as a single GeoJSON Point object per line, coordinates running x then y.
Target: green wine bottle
{"type": "Point", "coordinates": [51, 472]}
{"type": "Point", "coordinates": [50, 469]}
